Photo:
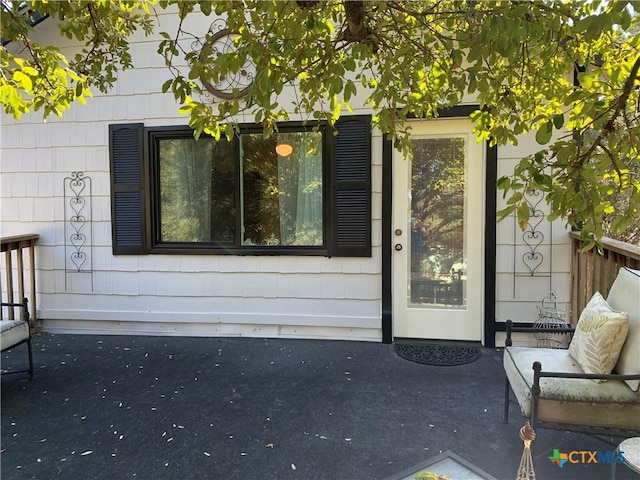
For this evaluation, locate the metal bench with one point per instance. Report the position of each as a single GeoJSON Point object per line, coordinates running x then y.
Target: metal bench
{"type": "Point", "coordinates": [553, 391]}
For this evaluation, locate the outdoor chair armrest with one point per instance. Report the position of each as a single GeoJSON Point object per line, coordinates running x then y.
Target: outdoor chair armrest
{"type": "Point", "coordinates": [18, 331]}
{"type": "Point", "coordinates": [24, 304]}
{"type": "Point", "coordinates": [536, 390]}
{"type": "Point", "coordinates": [539, 373]}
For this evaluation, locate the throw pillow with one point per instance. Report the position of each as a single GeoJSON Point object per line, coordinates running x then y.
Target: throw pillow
{"type": "Point", "coordinates": [599, 336]}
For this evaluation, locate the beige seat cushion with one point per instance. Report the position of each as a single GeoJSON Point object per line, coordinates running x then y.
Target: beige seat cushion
{"type": "Point", "coordinates": [625, 295]}
{"type": "Point", "coordinates": [573, 401]}
{"type": "Point", "coordinates": [13, 332]}
{"type": "Point", "coordinates": [599, 336]}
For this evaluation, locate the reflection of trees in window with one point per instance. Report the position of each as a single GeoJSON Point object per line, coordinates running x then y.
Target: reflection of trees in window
{"type": "Point", "coordinates": [197, 201]}
{"type": "Point", "coordinates": [223, 188]}
{"type": "Point", "coordinates": [438, 192]}
{"type": "Point", "coordinates": [282, 195]}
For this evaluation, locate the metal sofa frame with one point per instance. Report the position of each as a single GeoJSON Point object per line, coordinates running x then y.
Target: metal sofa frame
{"type": "Point", "coordinates": [24, 305]}
{"type": "Point", "coordinates": [538, 373]}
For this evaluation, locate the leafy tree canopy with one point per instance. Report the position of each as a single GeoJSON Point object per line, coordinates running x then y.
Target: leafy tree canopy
{"type": "Point", "coordinates": [568, 71]}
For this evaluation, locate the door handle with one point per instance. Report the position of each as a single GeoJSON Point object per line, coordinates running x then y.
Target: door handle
{"type": "Point", "coordinates": [398, 247]}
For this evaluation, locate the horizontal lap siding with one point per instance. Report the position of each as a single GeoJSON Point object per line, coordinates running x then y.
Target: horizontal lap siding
{"type": "Point", "coordinates": [519, 296]}
{"type": "Point", "coordinates": [336, 297]}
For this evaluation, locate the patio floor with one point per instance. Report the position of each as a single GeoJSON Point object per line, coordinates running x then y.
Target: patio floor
{"type": "Point", "coordinates": [105, 407]}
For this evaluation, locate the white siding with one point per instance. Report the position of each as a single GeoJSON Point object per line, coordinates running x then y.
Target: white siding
{"type": "Point", "coordinates": [165, 294]}
{"type": "Point", "coordinates": [519, 290]}
{"type": "Point", "coordinates": [200, 294]}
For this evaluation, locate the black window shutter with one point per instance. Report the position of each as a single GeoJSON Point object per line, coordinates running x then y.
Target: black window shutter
{"type": "Point", "coordinates": [351, 187]}
{"type": "Point", "coordinates": [126, 154]}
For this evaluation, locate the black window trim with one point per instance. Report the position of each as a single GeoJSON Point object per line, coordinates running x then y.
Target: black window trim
{"type": "Point", "coordinates": [347, 191]}
{"type": "Point", "coordinates": [153, 134]}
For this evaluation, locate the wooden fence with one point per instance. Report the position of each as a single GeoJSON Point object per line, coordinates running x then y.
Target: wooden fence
{"type": "Point", "coordinates": [592, 272]}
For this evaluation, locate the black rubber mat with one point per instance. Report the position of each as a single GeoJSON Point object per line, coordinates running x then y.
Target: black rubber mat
{"type": "Point", "coordinates": [436, 354]}
{"type": "Point", "coordinates": [104, 407]}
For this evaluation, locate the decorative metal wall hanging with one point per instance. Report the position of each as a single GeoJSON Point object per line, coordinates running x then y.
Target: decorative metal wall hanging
{"type": "Point", "coordinates": [221, 40]}
{"type": "Point", "coordinates": [533, 252]}
{"type": "Point", "coordinates": [78, 230]}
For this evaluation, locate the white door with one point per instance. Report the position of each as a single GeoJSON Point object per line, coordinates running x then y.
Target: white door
{"type": "Point", "coordinates": [438, 237]}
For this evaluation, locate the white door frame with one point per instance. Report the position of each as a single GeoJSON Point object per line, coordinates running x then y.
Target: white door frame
{"type": "Point", "coordinates": [489, 326]}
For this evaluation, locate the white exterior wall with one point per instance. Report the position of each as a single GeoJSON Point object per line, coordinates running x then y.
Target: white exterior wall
{"type": "Point", "coordinates": [165, 294]}
{"type": "Point", "coordinates": [208, 295]}
{"type": "Point", "coordinates": [519, 290]}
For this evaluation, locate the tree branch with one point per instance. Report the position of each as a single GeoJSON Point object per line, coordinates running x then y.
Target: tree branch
{"type": "Point", "coordinates": [619, 108]}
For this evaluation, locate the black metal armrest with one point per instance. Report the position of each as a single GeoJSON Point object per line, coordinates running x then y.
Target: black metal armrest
{"type": "Point", "coordinates": [24, 305]}
{"type": "Point", "coordinates": [510, 328]}
{"type": "Point", "coordinates": [25, 318]}
{"type": "Point", "coordinates": [538, 373]}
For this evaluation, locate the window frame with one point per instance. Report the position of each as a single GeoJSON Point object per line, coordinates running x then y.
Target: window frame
{"type": "Point", "coordinates": [348, 179]}
{"type": "Point", "coordinates": [152, 137]}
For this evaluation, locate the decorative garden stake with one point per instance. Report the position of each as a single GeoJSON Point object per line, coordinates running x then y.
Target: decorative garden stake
{"type": "Point", "coordinates": [525, 470]}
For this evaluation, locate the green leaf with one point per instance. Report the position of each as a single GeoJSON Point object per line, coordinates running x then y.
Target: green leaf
{"type": "Point", "coordinates": [515, 198]}
{"type": "Point", "coordinates": [505, 212]}
{"type": "Point", "coordinates": [585, 79]}
{"type": "Point", "coordinates": [558, 121]}
{"type": "Point", "coordinates": [335, 114]}
{"type": "Point", "coordinates": [543, 135]}
{"type": "Point", "coordinates": [205, 7]}
{"type": "Point", "coordinates": [621, 223]}
{"type": "Point", "coordinates": [22, 80]}
{"type": "Point", "coordinates": [27, 70]}
{"type": "Point", "coordinates": [523, 214]}
{"type": "Point", "coordinates": [503, 183]}
{"type": "Point", "coordinates": [408, 62]}
{"type": "Point", "coordinates": [596, 27]}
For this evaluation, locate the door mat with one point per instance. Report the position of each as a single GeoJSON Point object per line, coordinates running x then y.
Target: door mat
{"type": "Point", "coordinates": [438, 354]}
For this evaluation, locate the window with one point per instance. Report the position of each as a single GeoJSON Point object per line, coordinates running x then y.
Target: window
{"type": "Point", "coordinates": [196, 190]}
{"type": "Point", "coordinates": [299, 192]}
{"type": "Point", "coordinates": [278, 183]}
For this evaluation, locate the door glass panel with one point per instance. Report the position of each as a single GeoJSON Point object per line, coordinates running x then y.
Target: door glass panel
{"type": "Point", "coordinates": [437, 256]}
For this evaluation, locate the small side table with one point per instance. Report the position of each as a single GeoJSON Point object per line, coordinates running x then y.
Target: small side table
{"type": "Point", "coordinates": [630, 449]}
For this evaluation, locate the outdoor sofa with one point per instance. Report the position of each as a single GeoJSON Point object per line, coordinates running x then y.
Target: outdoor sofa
{"type": "Point", "coordinates": [576, 388]}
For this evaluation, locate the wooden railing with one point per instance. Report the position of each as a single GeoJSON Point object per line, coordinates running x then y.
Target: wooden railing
{"type": "Point", "coordinates": [13, 248]}
{"type": "Point", "coordinates": [592, 272]}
